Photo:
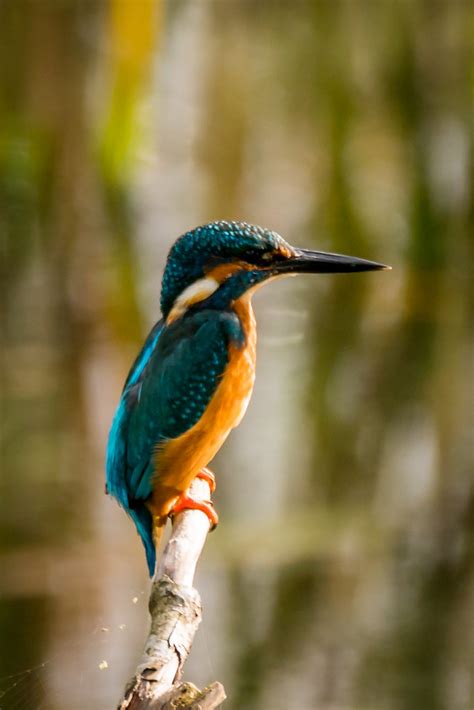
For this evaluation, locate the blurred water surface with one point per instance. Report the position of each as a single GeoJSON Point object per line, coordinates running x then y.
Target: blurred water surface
{"type": "Point", "coordinates": [342, 574]}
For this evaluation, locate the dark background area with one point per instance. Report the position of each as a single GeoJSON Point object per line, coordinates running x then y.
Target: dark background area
{"type": "Point", "coordinates": [342, 573]}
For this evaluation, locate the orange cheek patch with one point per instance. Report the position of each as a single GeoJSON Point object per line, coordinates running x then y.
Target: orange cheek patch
{"type": "Point", "coordinates": [221, 272]}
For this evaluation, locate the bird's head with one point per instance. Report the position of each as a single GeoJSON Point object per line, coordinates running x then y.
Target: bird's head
{"type": "Point", "coordinates": [233, 257]}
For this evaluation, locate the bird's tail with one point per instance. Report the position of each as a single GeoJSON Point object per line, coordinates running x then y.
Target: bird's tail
{"type": "Point", "coordinates": [143, 520]}
{"type": "Point", "coordinates": [159, 525]}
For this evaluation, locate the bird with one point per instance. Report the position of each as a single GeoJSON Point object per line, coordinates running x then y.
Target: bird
{"type": "Point", "coordinates": [191, 382]}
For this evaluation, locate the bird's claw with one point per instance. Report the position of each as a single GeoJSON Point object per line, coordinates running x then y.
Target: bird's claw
{"type": "Point", "coordinates": [185, 502]}
{"type": "Point", "coordinates": [209, 477]}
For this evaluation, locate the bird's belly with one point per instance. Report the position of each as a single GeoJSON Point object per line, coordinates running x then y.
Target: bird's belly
{"type": "Point", "coordinates": [179, 460]}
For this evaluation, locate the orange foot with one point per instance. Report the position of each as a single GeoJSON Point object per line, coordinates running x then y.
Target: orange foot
{"type": "Point", "coordinates": [185, 502]}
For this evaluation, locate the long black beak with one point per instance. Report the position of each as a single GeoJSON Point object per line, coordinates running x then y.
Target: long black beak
{"type": "Point", "coordinates": [306, 261]}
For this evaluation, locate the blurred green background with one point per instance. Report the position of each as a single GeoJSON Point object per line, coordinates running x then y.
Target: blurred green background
{"type": "Point", "coordinates": [341, 576]}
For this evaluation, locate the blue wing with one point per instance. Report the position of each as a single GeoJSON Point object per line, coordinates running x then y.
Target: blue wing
{"type": "Point", "coordinates": [166, 393]}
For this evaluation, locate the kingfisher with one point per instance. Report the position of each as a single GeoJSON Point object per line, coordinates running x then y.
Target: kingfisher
{"type": "Point", "coordinates": [191, 382]}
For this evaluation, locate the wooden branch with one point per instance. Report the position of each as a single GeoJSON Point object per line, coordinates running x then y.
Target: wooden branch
{"type": "Point", "coordinates": [175, 609]}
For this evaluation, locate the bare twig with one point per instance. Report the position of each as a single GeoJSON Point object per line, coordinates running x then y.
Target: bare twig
{"type": "Point", "coordinates": [175, 609]}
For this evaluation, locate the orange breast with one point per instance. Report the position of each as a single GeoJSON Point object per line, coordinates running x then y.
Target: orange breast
{"type": "Point", "coordinates": [179, 462]}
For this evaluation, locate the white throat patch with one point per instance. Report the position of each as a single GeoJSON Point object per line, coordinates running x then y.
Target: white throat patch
{"type": "Point", "coordinates": [194, 293]}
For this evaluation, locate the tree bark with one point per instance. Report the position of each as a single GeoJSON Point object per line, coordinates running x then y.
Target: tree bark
{"type": "Point", "coordinates": [176, 611]}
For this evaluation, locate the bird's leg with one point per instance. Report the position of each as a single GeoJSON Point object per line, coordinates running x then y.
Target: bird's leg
{"type": "Point", "coordinates": [186, 502]}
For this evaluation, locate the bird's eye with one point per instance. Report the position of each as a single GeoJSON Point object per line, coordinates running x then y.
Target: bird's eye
{"type": "Point", "coordinates": [268, 256]}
